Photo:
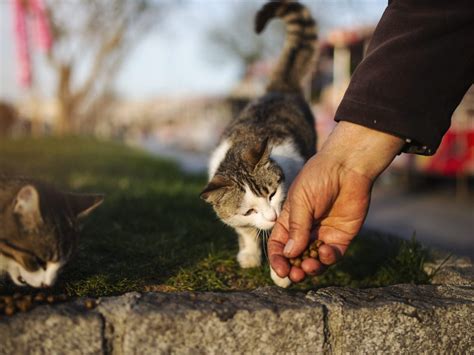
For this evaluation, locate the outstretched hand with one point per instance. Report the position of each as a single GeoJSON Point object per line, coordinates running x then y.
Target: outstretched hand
{"type": "Point", "coordinates": [329, 199]}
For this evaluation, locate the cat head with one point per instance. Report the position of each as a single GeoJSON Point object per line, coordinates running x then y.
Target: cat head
{"type": "Point", "coordinates": [250, 193]}
{"type": "Point", "coordinates": [39, 232]}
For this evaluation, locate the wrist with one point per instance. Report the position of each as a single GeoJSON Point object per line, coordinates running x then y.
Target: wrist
{"type": "Point", "coordinates": [360, 149]}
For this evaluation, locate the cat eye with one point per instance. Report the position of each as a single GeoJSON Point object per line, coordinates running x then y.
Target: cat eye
{"type": "Point", "coordinates": [249, 212]}
{"type": "Point", "coordinates": [41, 263]}
{"type": "Point", "coordinates": [271, 195]}
{"type": "Point", "coordinates": [21, 280]}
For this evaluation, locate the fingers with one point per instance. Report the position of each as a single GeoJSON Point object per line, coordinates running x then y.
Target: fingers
{"type": "Point", "coordinates": [280, 265]}
{"type": "Point", "coordinates": [309, 266]}
{"type": "Point", "coordinates": [276, 243]}
{"type": "Point", "coordinates": [313, 267]}
{"type": "Point", "coordinates": [297, 274]}
{"type": "Point", "coordinates": [335, 244]}
{"type": "Point", "coordinates": [331, 253]}
{"type": "Point", "coordinates": [300, 221]}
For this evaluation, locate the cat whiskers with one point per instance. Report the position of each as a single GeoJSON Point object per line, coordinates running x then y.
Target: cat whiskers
{"type": "Point", "coordinates": [257, 236]}
{"type": "Point", "coordinates": [263, 235]}
{"type": "Point", "coordinates": [266, 234]}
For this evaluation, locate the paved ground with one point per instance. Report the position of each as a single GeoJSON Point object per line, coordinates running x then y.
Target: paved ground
{"type": "Point", "coordinates": [438, 217]}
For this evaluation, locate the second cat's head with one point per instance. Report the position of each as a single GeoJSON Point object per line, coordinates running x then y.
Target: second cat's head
{"type": "Point", "coordinates": [248, 191]}
{"type": "Point", "coordinates": [40, 231]}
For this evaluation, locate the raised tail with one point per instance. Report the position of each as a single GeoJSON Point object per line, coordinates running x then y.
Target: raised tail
{"type": "Point", "coordinates": [299, 50]}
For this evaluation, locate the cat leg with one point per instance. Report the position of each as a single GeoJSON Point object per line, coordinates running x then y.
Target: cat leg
{"type": "Point", "coordinates": [250, 253]}
{"type": "Point", "coordinates": [279, 281]}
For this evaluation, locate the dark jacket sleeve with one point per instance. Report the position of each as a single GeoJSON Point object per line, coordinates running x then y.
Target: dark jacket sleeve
{"type": "Point", "coordinates": [419, 64]}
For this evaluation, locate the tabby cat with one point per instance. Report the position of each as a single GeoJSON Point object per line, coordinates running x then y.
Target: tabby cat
{"type": "Point", "coordinates": [263, 149]}
{"type": "Point", "coordinates": [38, 229]}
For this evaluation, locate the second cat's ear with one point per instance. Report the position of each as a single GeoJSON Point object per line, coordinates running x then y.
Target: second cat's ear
{"type": "Point", "coordinates": [82, 205]}
{"type": "Point", "coordinates": [214, 189]}
{"type": "Point", "coordinates": [258, 153]}
{"type": "Point", "coordinates": [27, 207]}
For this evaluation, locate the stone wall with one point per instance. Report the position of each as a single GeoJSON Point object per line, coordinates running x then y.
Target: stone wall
{"type": "Point", "coordinates": [434, 318]}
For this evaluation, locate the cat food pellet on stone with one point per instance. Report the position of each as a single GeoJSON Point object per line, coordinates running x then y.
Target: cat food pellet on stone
{"type": "Point", "coordinates": [28, 298]}
{"type": "Point", "coordinates": [10, 310]}
{"type": "Point", "coordinates": [40, 297]}
{"type": "Point", "coordinates": [50, 299]}
{"type": "Point", "coordinates": [23, 304]}
{"type": "Point", "coordinates": [90, 304]}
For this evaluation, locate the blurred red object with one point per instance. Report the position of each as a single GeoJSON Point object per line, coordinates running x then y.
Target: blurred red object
{"type": "Point", "coordinates": [23, 10]}
{"type": "Point", "coordinates": [455, 155]}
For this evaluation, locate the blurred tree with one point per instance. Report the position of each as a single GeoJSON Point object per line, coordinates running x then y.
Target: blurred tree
{"type": "Point", "coordinates": [91, 40]}
{"type": "Point", "coordinates": [234, 38]}
{"type": "Point", "coordinates": [8, 117]}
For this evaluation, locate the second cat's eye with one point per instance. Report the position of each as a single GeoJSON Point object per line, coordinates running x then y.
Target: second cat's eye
{"type": "Point", "coordinates": [41, 263]}
{"type": "Point", "coordinates": [21, 280]}
{"type": "Point", "coordinates": [249, 212]}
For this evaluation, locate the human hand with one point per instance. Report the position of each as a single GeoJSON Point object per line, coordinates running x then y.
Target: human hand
{"type": "Point", "coordinates": [330, 197]}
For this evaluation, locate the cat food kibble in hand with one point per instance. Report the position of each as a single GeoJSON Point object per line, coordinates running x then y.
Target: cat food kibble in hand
{"type": "Point", "coordinates": [310, 252]}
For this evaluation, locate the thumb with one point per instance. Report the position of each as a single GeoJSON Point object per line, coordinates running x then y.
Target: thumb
{"type": "Point", "coordinates": [300, 222]}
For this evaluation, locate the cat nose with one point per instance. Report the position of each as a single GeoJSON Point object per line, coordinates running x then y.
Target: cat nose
{"type": "Point", "coordinates": [272, 216]}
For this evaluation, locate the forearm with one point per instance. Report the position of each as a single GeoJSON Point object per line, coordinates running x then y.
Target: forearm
{"type": "Point", "coordinates": [360, 149]}
{"type": "Point", "coordinates": [407, 84]}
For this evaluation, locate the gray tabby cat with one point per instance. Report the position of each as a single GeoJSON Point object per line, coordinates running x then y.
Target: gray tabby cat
{"type": "Point", "coordinates": [38, 229]}
{"type": "Point", "coordinates": [263, 149]}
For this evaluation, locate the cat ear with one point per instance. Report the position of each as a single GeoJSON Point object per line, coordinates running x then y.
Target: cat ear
{"type": "Point", "coordinates": [83, 204]}
{"type": "Point", "coordinates": [27, 207]}
{"type": "Point", "coordinates": [214, 189]}
{"type": "Point", "coordinates": [258, 153]}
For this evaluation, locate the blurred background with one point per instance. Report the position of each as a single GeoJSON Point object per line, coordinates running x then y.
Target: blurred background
{"type": "Point", "coordinates": [167, 76]}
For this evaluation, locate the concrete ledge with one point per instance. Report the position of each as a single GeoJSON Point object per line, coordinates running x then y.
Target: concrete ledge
{"type": "Point", "coordinates": [400, 318]}
{"type": "Point", "coordinates": [63, 329]}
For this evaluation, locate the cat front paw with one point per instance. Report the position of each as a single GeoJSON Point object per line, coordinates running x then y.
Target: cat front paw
{"type": "Point", "coordinates": [247, 260]}
{"type": "Point", "coordinates": [279, 281]}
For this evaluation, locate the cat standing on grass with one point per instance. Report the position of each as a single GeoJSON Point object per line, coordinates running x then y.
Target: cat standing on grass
{"type": "Point", "coordinates": [263, 149]}
{"type": "Point", "coordinates": [38, 229]}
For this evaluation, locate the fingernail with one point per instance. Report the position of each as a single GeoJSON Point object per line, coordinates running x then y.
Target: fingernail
{"type": "Point", "coordinates": [288, 247]}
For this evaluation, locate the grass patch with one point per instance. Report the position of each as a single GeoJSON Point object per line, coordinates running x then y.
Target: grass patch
{"type": "Point", "coordinates": [154, 233]}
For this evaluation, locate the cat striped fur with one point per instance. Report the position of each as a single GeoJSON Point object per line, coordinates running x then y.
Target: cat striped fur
{"type": "Point", "coordinates": [264, 147]}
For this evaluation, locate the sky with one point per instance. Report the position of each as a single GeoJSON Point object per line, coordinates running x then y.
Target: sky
{"type": "Point", "coordinates": [174, 58]}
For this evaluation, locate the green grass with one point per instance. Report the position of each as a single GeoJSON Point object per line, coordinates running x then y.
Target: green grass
{"type": "Point", "coordinates": [154, 233]}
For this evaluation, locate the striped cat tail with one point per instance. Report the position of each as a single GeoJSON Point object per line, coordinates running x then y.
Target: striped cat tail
{"type": "Point", "coordinates": [299, 50]}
